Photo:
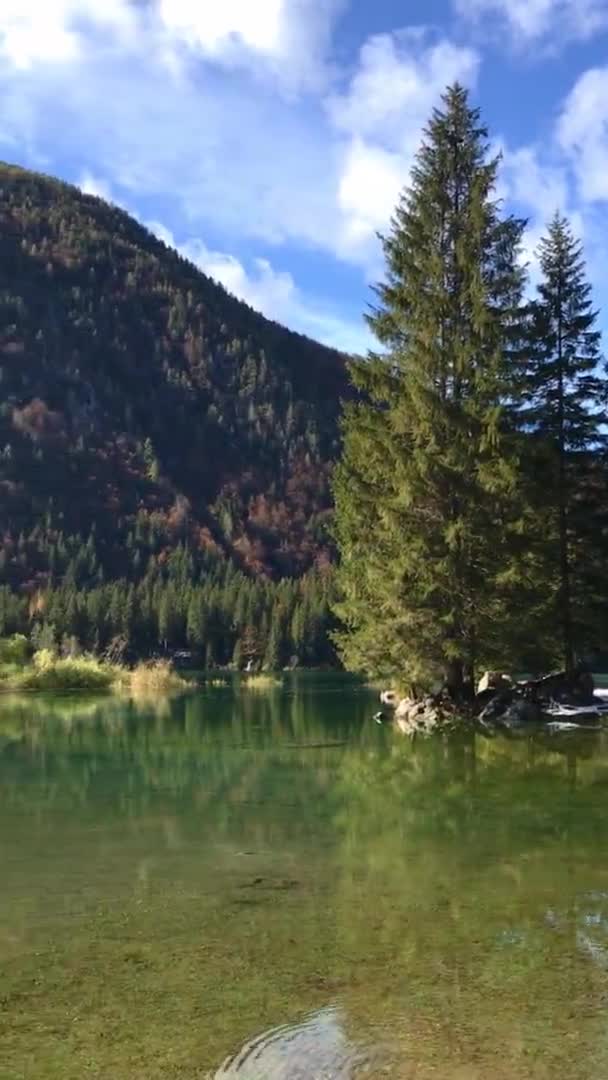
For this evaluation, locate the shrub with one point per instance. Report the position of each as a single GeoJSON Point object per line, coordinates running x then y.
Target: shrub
{"type": "Point", "coordinates": [14, 650]}
{"type": "Point", "coordinates": [71, 673]}
{"type": "Point", "coordinates": [156, 676]}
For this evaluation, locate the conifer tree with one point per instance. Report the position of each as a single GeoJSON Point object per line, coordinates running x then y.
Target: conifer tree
{"type": "Point", "coordinates": [564, 410]}
{"type": "Point", "coordinates": [195, 621]}
{"type": "Point", "coordinates": [237, 655]}
{"type": "Point", "coordinates": [424, 486]}
{"type": "Point", "coordinates": [272, 655]}
{"type": "Point", "coordinates": [166, 617]}
{"type": "Point", "coordinates": [250, 644]}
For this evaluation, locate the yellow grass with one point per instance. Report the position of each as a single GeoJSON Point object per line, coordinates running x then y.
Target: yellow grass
{"type": "Point", "coordinates": [155, 676]}
{"type": "Point", "coordinates": [260, 682]}
{"type": "Point", "coordinates": [47, 671]}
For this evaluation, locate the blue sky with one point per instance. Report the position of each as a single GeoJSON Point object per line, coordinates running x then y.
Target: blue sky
{"type": "Point", "coordinates": [269, 139]}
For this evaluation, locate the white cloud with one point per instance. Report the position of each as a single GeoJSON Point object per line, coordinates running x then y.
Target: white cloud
{"type": "Point", "coordinates": [285, 39]}
{"type": "Point", "coordinates": [537, 187]}
{"type": "Point", "coordinates": [96, 185]}
{"type": "Point", "coordinates": [218, 146]}
{"type": "Point", "coordinates": [213, 146]}
{"type": "Point", "coordinates": [529, 20]}
{"type": "Point", "coordinates": [216, 26]}
{"type": "Point", "coordinates": [32, 32]}
{"type": "Point", "coordinates": [540, 186]}
{"type": "Point", "coordinates": [272, 292]}
{"type": "Point", "coordinates": [583, 133]}
{"type": "Point", "coordinates": [251, 161]}
{"type": "Point", "coordinates": [399, 79]}
{"type": "Point", "coordinates": [368, 190]}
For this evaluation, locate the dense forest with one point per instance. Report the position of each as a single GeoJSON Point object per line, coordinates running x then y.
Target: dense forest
{"type": "Point", "coordinates": [168, 456]}
{"type": "Point", "coordinates": [472, 495]}
{"type": "Point", "coordinates": [165, 451]}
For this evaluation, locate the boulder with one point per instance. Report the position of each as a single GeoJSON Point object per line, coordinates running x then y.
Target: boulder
{"type": "Point", "coordinates": [404, 707]}
{"type": "Point", "coordinates": [494, 680]}
{"type": "Point", "coordinates": [571, 689]}
{"type": "Point", "coordinates": [419, 717]}
{"type": "Point", "coordinates": [508, 708]}
{"type": "Point", "coordinates": [390, 698]}
{"type": "Point", "coordinates": [522, 712]}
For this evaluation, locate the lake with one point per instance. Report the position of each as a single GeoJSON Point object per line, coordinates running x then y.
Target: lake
{"type": "Point", "coordinates": [270, 886]}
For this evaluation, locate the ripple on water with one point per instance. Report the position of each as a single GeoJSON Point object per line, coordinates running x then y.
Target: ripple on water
{"type": "Point", "coordinates": [315, 1049]}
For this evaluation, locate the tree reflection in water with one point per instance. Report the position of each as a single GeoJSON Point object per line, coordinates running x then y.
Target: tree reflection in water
{"type": "Point", "coordinates": [194, 872]}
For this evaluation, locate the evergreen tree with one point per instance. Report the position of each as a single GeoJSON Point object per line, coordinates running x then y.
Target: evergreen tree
{"type": "Point", "coordinates": [423, 491]}
{"type": "Point", "coordinates": [195, 626]}
{"type": "Point", "coordinates": [274, 646]}
{"type": "Point", "coordinates": [250, 644]}
{"type": "Point", "coordinates": [564, 410]}
{"type": "Point", "coordinates": [237, 655]}
{"type": "Point", "coordinates": [209, 656]}
{"type": "Point", "coordinates": [43, 636]}
{"type": "Point", "coordinates": [166, 619]}
{"type": "Point", "coordinates": [151, 462]}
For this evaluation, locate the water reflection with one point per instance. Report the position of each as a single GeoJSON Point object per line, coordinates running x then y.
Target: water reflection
{"type": "Point", "coordinates": [317, 1047]}
{"type": "Point", "coordinates": [186, 874]}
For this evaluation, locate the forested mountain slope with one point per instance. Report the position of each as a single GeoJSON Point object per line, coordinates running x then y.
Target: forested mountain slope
{"type": "Point", "coordinates": [142, 407]}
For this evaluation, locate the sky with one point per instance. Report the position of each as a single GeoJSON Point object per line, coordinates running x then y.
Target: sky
{"type": "Point", "coordinates": [268, 140]}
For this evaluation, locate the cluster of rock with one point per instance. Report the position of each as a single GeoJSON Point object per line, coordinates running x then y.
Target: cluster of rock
{"type": "Point", "coordinates": [423, 716]}
{"type": "Point", "coordinates": [558, 701]}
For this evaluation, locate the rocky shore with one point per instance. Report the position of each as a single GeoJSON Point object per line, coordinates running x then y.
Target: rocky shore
{"type": "Point", "coordinates": [555, 702]}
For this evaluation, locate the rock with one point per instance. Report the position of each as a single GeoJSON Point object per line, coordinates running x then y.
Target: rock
{"type": "Point", "coordinates": [404, 725]}
{"type": "Point", "coordinates": [575, 689]}
{"type": "Point", "coordinates": [508, 709]}
{"type": "Point", "coordinates": [522, 712]}
{"type": "Point", "coordinates": [493, 680]}
{"type": "Point", "coordinates": [419, 717]}
{"type": "Point", "coordinates": [390, 697]}
{"type": "Point", "coordinates": [404, 707]}
{"type": "Point", "coordinates": [496, 707]}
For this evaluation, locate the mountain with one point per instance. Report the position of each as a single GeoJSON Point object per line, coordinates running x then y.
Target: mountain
{"type": "Point", "coordinates": [143, 407]}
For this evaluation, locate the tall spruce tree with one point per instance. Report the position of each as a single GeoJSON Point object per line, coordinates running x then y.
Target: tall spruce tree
{"type": "Point", "coordinates": [564, 410]}
{"type": "Point", "coordinates": [424, 486]}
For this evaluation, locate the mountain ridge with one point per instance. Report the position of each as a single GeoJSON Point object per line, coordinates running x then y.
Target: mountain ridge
{"type": "Point", "coordinates": [137, 393]}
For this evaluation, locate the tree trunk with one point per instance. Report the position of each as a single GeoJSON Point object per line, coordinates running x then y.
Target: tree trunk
{"type": "Point", "coordinates": [454, 679]}
{"type": "Point", "coordinates": [565, 598]}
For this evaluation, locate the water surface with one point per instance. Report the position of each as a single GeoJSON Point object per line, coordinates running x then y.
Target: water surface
{"type": "Point", "coordinates": [272, 887]}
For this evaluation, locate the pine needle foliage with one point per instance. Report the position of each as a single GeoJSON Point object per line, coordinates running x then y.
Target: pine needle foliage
{"type": "Point", "coordinates": [563, 416]}
{"type": "Point", "coordinates": [426, 488]}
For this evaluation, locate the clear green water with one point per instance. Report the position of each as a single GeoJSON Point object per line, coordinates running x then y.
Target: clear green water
{"type": "Point", "coordinates": [273, 887]}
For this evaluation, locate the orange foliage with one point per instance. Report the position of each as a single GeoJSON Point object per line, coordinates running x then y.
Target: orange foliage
{"type": "Point", "coordinates": [38, 421]}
